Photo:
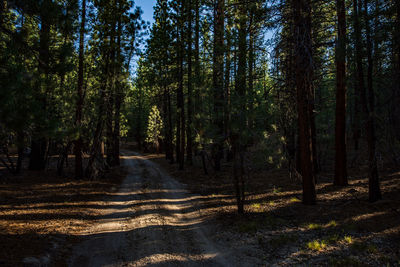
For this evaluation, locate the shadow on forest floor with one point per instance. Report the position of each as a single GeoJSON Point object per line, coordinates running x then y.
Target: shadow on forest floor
{"type": "Point", "coordinates": [52, 214]}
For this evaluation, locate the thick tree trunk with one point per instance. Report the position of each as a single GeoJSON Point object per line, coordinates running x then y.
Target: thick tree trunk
{"type": "Point", "coordinates": [340, 125]}
{"type": "Point", "coordinates": [218, 83]}
{"type": "Point", "coordinates": [97, 149]}
{"type": "Point", "coordinates": [374, 188]}
{"type": "Point", "coordinates": [79, 104]}
{"type": "Point", "coordinates": [304, 73]}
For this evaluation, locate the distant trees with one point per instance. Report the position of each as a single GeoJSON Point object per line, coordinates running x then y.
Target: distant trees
{"type": "Point", "coordinates": [154, 128]}
{"type": "Point", "coordinates": [54, 78]}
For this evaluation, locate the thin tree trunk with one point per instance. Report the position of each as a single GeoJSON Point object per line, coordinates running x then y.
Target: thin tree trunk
{"type": "Point", "coordinates": [110, 99]}
{"type": "Point", "coordinates": [118, 97]}
{"type": "Point", "coordinates": [218, 83]}
{"type": "Point", "coordinates": [79, 104]}
{"type": "Point", "coordinates": [237, 138]}
{"type": "Point", "coordinates": [396, 87]}
{"type": "Point", "coordinates": [21, 147]}
{"type": "Point", "coordinates": [251, 60]}
{"type": "Point", "coordinates": [39, 144]}
{"type": "Point", "coordinates": [340, 126]}
{"type": "Point", "coordinates": [359, 77]}
{"type": "Point", "coordinates": [227, 89]}
{"type": "Point", "coordinates": [180, 134]}
{"type": "Point", "coordinates": [170, 127]}
{"type": "Point", "coordinates": [189, 146]}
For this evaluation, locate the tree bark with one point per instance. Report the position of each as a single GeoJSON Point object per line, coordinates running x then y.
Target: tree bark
{"type": "Point", "coordinates": [218, 83]}
{"type": "Point", "coordinates": [189, 134]}
{"type": "Point", "coordinates": [304, 73]}
{"type": "Point", "coordinates": [111, 93]}
{"type": "Point", "coordinates": [359, 77]}
{"type": "Point", "coordinates": [118, 96]}
{"type": "Point", "coordinates": [237, 137]}
{"type": "Point", "coordinates": [340, 124]}
{"type": "Point", "coordinates": [227, 87]}
{"type": "Point", "coordinates": [373, 181]}
{"type": "Point", "coordinates": [396, 87]}
{"type": "Point", "coordinates": [180, 134]}
{"type": "Point", "coordinates": [39, 143]}
{"type": "Point", "coordinates": [79, 104]}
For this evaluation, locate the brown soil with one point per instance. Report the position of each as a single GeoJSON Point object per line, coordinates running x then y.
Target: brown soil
{"type": "Point", "coordinates": [42, 213]}
{"type": "Point", "coordinates": [342, 229]}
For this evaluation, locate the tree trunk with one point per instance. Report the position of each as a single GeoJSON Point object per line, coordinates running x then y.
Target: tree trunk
{"type": "Point", "coordinates": [110, 99]}
{"type": "Point", "coordinates": [97, 150]}
{"type": "Point", "coordinates": [237, 138]}
{"type": "Point", "coordinates": [396, 87]}
{"type": "Point", "coordinates": [118, 97]}
{"type": "Point", "coordinates": [304, 73]}
{"type": "Point", "coordinates": [218, 83]}
{"type": "Point", "coordinates": [39, 144]}
{"type": "Point", "coordinates": [374, 188]}
{"type": "Point", "coordinates": [250, 90]}
{"type": "Point", "coordinates": [189, 145]}
{"type": "Point", "coordinates": [170, 127]}
{"type": "Point", "coordinates": [21, 147]}
{"type": "Point", "coordinates": [79, 104]}
{"type": "Point", "coordinates": [359, 77]}
{"type": "Point", "coordinates": [180, 118]}
{"type": "Point", "coordinates": [340, 125]}
{"type": "Point", "coordinates": [227, 90]}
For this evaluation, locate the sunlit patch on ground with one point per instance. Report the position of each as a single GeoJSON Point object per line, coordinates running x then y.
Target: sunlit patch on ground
{"type": "Point", "coordinates": [343, 229]}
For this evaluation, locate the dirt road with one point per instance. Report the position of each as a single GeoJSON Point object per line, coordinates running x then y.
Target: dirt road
{"type": "Point", "coordinates": [153, 221]}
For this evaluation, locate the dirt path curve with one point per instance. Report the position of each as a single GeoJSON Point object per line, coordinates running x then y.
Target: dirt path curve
{"type": "Point", "coordinates": [152, 221]}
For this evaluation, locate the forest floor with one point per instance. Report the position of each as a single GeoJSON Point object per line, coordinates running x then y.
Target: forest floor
{"type": "Point", "coordinates": [343, 229]}
{"type": "Point", "coordinates": [140, 215]}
